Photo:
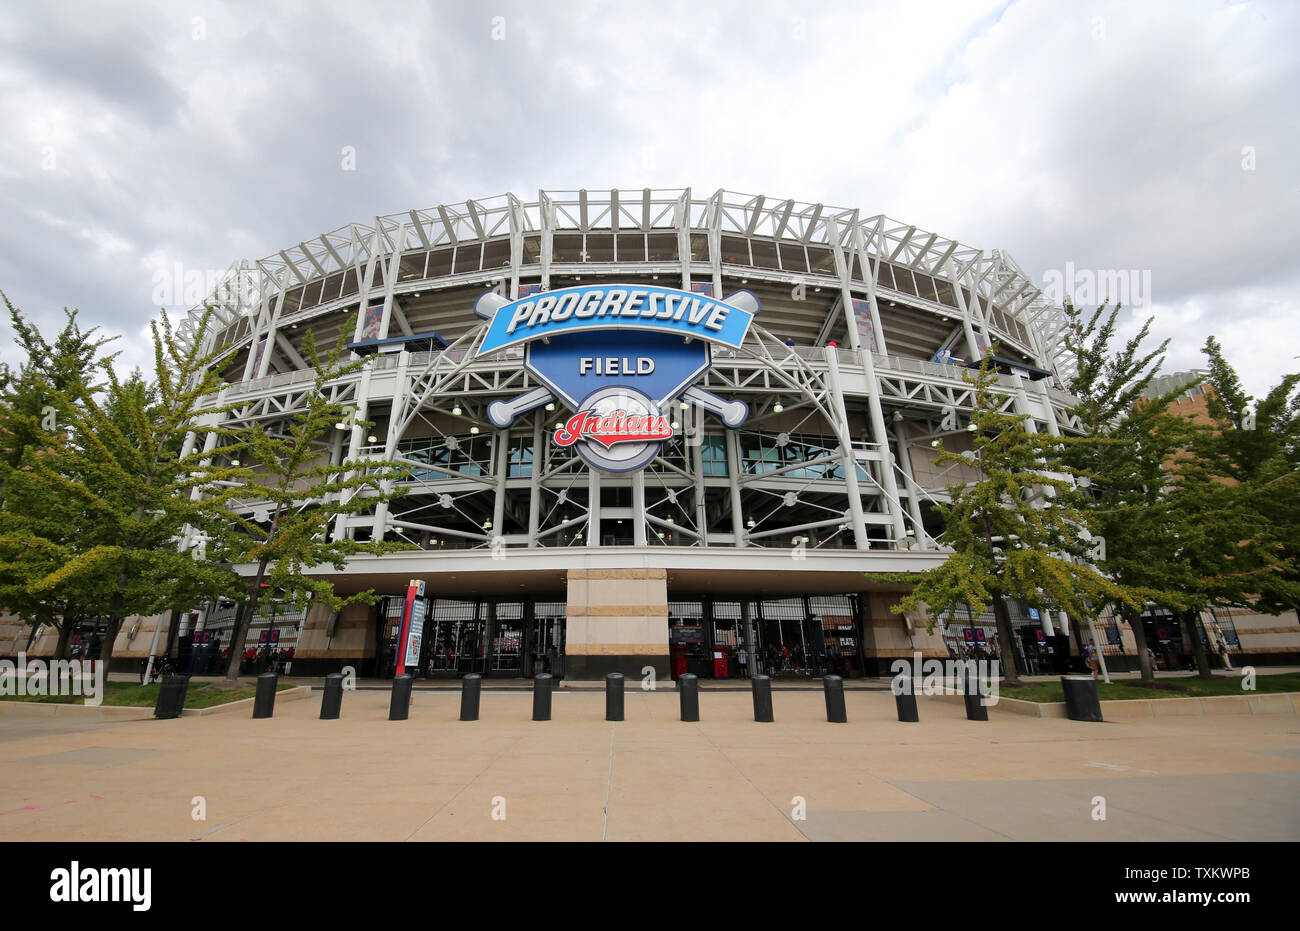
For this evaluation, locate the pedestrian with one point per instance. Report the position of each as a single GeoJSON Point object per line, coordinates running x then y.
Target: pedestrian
{"type": "Point", "coordinates": [1090, 659]}
{"type": "Point", "coordinates": [742, 658]}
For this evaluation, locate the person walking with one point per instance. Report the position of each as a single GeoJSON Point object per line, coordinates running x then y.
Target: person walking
{"type": "Point", "coordinates": [742, 659]}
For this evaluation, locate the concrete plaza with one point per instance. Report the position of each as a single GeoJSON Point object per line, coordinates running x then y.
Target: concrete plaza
{"type": "Point", "coordinates": [649, 778]}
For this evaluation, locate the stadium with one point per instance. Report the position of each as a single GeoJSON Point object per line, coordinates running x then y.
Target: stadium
{"type": "Point", "coordinates": [796, 463]}
{"type": "Point", "coordinates": [638, 429]}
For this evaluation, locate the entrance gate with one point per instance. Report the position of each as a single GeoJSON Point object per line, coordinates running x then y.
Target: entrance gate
{"type": "Point", "coordinates": [492, 637]}
{"type": "Point", "coordinates": [800, 636]}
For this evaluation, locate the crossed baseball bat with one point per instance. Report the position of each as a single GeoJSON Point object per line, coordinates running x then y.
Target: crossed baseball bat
{"type": "Point", "coordinates": [503, 413]}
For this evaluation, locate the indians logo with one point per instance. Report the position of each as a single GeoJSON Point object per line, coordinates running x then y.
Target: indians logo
{"type": "Point", "coordinates": [616, 355]}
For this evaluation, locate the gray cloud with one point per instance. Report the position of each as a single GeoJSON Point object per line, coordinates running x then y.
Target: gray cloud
{"type": "Point", "coordinates": [1005, 125]}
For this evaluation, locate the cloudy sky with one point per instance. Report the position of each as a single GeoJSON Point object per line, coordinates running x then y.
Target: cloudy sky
{"type": "Point", "coordinates": [1153, 137]}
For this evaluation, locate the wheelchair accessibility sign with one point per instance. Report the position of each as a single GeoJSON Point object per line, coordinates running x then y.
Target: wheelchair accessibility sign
{"type": "Point", "coordinates": [617, 355]}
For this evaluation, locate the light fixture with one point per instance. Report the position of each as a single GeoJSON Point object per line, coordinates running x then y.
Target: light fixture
{"type": "Point", "coordinates": [550, 406]}
{"type": "Point", "coordinates": [487, 525]}
{"type": "Point", "coordinates": [751, 523]}
{"type": "Point", "coordinates": [778, 407]}
{"type": "Point", "coordinates": [934, 443]}
{"type": "Point", "coordinates": [340, 426]}
{"type": "Point", "coordinates": [559, 426]}
{"type": "Point", "coordinates": [455, 411]}
{"type": "Point", "coordinates": [670, 520]}
{"type": "Point", "coordinates": [473, 429]}
{"type": "Point", "coordinates": [676, 425]}
{"type": "Point", "coordinates": [372, 439]}
{"type": "Point", "coordinates": [234, 462]}
{"type": "Point", "coordinates": [970, 428]}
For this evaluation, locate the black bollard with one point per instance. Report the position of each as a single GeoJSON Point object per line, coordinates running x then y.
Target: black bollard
{"type": "Point", "coordinates": [332, 701]}
{"type": "Point", "coordinates": [762, 687]}
{"type": "Point", "coordinates": [905, 699]}
{"type": "Point", "coordinates": [471, 690]}
{"type": "Point", "coordinates": [1081, 702]}
{"type": "Point", "coordinates": [688, 696]}
{"type": "Point", "coordinates": [836, 713]}
{"type": "Point", "coordinates": [542, 697]}
{"type": "Point", "coordinates": [264, 700]}
{"type": "Point", "coordinates": [975, 709]}
{"type": "Point", "coordinates": [614, 696]}
{"type": "Point", "coordinates": [171, 697]}
{"type": "Point", "coordinates": [399, 705]}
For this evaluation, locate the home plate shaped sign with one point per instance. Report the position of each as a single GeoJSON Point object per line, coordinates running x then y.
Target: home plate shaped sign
{"type": "Point", "coordinates": [616, 354]}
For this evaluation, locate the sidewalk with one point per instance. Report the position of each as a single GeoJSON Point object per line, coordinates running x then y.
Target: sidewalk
{"type": "Point", "coordinates": [651, 777]}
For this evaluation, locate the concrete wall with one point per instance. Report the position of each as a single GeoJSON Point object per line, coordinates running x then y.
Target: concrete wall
{"type": "Point", "coordinates": [885, 635]}
{"type": "Point", "coordinates": [617, 622]}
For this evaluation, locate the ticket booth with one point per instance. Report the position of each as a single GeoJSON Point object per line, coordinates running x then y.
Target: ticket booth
{"type": "Point", "coordinates": [719, 661]}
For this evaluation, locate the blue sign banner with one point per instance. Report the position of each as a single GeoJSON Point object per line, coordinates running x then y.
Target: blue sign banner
{"type": "Point", "coordinates": [616, 307]}
{"type": "Point", "coordinates": [658, 365]}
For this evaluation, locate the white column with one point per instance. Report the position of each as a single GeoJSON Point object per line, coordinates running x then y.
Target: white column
{"type": "Point", "coordinates": [535, 479]}
{"type": "Point", "coordinates": [733, 486]}
{"type": "Point", "coordinates": [848, 460]}
{"type": "Point", "coordinates": [354, 443]}
{"type": "Point", "coordinates": [638, 509]}
{"type": "Point", "coordinates": [400, 387]}
{"type": "Point", "coordinates": [272, 328]}
{"type": "Point", "coordinates": [593, 507]}
{"type": "Point", "coordinates": [913, 495]}
{"type": "Point", "coordinates": [501, 459]}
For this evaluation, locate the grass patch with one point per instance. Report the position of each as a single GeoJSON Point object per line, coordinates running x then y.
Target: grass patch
{"type": "Point", "coordinates": [133, 695]}
{"type": "Point", "coordinates": [1164, 688]}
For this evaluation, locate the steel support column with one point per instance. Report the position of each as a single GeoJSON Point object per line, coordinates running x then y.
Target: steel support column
{"type": "Point", "coordinates": [847, 458]}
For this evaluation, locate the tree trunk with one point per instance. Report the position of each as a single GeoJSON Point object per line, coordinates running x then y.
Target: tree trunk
{"type": "Point", "coordinates": [1011, 675]}
{"type": "Point", "coordinates": [1188, 620]}
{"type": "Point", "coordinates": [1140, 639]}
{"type": "Point", "coordinates": [65, 631]}
{"type": "Point", "coordinates": [242, 620]}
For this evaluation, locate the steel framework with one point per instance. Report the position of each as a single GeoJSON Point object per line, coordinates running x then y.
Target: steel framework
{"type": "Point", "coordinates": [839, 372]}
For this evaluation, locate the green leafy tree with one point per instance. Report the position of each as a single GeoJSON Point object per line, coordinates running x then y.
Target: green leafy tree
{"type": "Point", "coordinates": [35, 530]}
{"type": "Point", "coordinates": [274, 512]}
{"type": "Point", "coordinates": [1124, 467]}
{"type": "Point", "coordinates": [121, 468]}
{"type": "Point", "coordinates": [1015, 532]}
{"type": "Point", "coordinates": [1256, 451]}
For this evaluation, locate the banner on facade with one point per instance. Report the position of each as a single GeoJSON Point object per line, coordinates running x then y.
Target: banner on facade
{"type": "Point", "coordinates": [616, 355]}
{"type": "Point", "coordinates": [408, 653]}
{"type": "Point", "coordinates": [373, 321]}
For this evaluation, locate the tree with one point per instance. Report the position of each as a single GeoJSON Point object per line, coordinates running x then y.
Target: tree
{"type": "Point", "coordinates": [125, 468]}
{"type": "Point", "coordinates": [275, 510]}
{"type": "Point", "coordinates": [1256, 452]}
{"type": "Point", "coordinates": [1015, 532]}
{"type": "Point", "coordinates": [36, 531]}
{"type": "Point", "coordinates": [1133, 441]}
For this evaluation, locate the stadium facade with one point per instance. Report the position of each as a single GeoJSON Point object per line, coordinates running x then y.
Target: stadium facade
{"type": "Point", "coordinates": [641, 428]}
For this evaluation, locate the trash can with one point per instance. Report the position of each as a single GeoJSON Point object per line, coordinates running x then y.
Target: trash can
{"type": "Point", "coordinates": [171, 696]}
{"type": "Point", "coordinates": [1081, 702]}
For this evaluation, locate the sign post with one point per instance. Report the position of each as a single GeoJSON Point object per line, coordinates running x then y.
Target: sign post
{"type": "Point", "coordinates": [408, 645]}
